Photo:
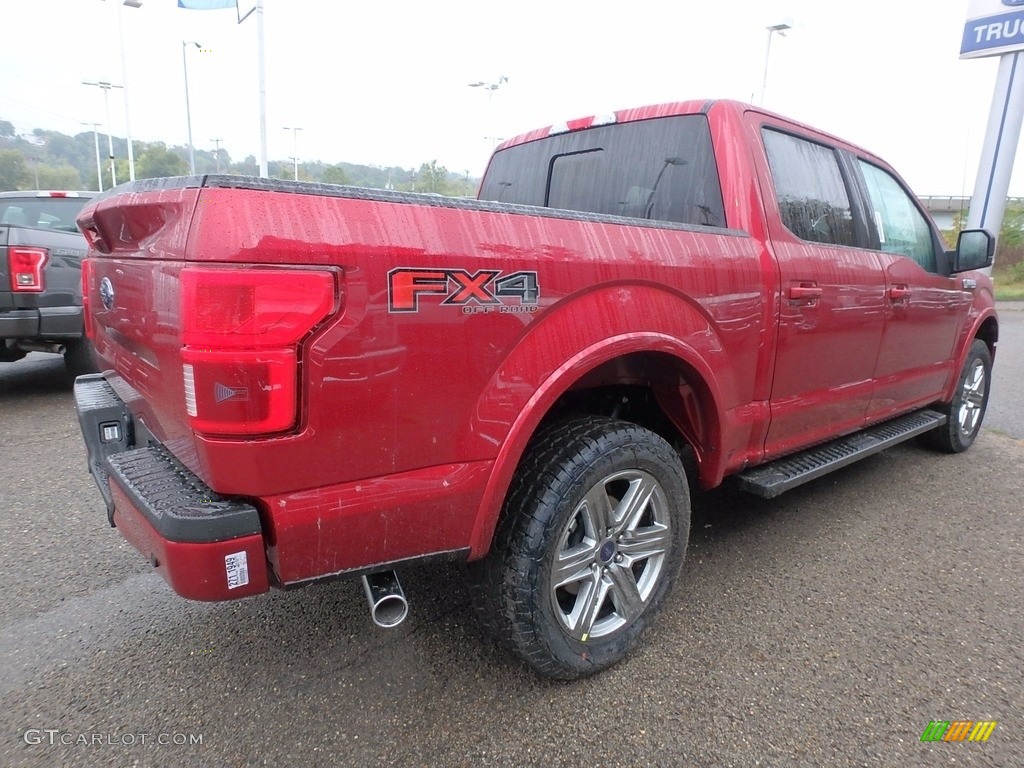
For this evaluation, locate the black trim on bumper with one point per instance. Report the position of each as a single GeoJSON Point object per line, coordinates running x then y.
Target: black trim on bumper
{"type": "Point", "coordinates": [19, 324]}
{"type": "Point", "coordinates": [61, 322]}
{"type": "Point", "coordinates": [44, 323]}
{"type": "Point", "coordinates": [179, 505]}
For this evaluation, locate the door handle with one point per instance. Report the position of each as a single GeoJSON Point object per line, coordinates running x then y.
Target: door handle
{"type": "Point", "coordinates": [804, 292]}
{"type": "Point", "coordinates": [899, 293]}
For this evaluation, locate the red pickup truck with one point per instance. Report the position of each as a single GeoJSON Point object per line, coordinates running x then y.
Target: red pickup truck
{"type": "Point", "coordinates": [306, 381]}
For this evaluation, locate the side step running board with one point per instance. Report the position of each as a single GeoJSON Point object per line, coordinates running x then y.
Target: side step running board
{"type": "Point", "coordinates": [770, 480]}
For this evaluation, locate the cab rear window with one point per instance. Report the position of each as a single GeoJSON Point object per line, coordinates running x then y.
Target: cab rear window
{"type": "Point", "coordinates": [42, 212]}
{"type": "Point", "coordinates": [661, 169]}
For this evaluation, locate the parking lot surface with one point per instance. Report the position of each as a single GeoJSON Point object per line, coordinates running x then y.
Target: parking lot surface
{"type": "Point", "coordinates": [829, 626]}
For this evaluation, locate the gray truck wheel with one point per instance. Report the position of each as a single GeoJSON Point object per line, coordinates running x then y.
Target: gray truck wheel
{"type": "Point", "coordinates": [967, 410]}
{"type": "Point", "coordinates": [79, 359]}
{"type": "Point", "coordinates": [591, 539]}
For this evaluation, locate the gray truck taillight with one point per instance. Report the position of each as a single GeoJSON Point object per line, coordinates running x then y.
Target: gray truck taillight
{"type": "Point", "coordinates": [26, 268]}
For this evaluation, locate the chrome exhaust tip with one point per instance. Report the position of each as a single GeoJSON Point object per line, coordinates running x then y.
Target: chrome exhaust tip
{"type": "Point", "coordinates": [388, 606]}
{"type": "Point", "coordinates": [35, 346]}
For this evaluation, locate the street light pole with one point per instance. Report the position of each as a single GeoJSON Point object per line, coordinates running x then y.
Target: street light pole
{"type": "Point", "coordinates": [105, 86]}
{"type": "Point", "coordinates": [188, 109]}
{"type": "Point", "coordinates": [781, 29]}
{"type": "Point", "coordinates": [99, 167]}
{"type": "Point", "coordinates": [124, 79]}
{"type": "Point", "coordinates": [295, 156]}
{"type": "Point", "coordinates": [261, 67]}
{"type": "Point", "coordinates": [490, 88]}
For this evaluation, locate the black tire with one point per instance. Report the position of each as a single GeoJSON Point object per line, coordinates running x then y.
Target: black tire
{"type": "Point", "coordinates": [575, 478]}
{"type": "Point", "coordinates": [79, 359]}
{"type": "Point", "coordinates": [967, 410]}
{"type": "Point", "coordinates": [10, 354]}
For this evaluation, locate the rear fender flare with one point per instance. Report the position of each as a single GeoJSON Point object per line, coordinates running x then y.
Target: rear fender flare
{"type": "Point", "coordinates": [531, 408]}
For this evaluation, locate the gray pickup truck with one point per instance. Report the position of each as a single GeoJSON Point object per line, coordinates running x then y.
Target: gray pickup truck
{"type": "Point", "coordinates": [41, 252]}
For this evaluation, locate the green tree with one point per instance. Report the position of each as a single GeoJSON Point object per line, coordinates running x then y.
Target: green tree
{"type": "Point", "coordinates": [59, 177]}
{"type": "Point", "coordinates": [335, 174]}
{"type": "Point", "coordinates": [6, 129]}
{"type": "Point", "coordinates": [1010, 245]}
{"type": "Point", "coordinates": [1010, 248]}
{"type": "Point", "coordinates": [432, 177]}
{"type": "Point", "coordinates": [157, 160]}
{"type": "Point", "coordinates": [13, 172]}
{"type": "Point", "coordinates": [247, 167]}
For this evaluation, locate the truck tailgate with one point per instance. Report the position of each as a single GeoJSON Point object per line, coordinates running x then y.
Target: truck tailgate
{"type": "Point", "coordinates": [131, 296]}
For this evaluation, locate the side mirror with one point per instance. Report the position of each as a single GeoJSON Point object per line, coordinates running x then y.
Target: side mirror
{"type": "Point", "coordinates": [975, 249]}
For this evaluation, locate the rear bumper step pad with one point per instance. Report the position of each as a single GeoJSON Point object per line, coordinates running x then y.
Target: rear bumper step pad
{"type": "Point", "coordinates": [205, 546]}
{"type": "Point", "coordinates": [179, 505]}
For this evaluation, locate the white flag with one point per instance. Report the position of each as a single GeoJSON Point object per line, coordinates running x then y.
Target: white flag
{"type": "Point", "coordinates": [207, 5]}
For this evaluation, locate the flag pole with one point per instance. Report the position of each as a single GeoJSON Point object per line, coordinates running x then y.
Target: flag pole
{"type": "Point", "coordinates": [258, 8]}
{"type": "Point", "coordinates": [263, 92]}
{"type": "Point", "coordinates": [212, 4]}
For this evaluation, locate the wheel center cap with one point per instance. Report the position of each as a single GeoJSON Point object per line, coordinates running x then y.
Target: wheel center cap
{"type": "Point", "coordinates": [607, 552]}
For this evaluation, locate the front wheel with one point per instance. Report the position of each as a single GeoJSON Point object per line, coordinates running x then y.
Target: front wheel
{"type": "Point", "coordinates": [967, 409]}
{"type": "Point", "coordinates": [592, 536]}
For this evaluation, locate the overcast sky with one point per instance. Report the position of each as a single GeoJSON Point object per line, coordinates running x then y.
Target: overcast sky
{"type": "Point", "coordinates": [387, 83]}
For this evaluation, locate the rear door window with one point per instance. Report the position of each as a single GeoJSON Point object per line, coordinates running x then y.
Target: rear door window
{"type": "Point", "coordinates": [810, 190]}
{"type": "Point", "coordinates": [661, 169]}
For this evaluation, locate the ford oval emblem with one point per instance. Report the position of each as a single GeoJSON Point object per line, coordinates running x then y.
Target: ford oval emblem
{"type": "Point", "coordinates": [107, 293]}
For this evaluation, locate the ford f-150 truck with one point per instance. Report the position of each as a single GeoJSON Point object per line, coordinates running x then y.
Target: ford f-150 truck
{"type": "Point", "coordinates": [41, 251]}
{"type": "Point", "coordinates": [306, 381]}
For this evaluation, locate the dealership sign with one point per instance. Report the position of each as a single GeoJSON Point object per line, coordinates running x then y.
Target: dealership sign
{"type": "Point", "coordinates": [993, 27]}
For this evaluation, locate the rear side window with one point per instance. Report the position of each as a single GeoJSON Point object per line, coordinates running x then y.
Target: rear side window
{"type": "Point", "coordinates": [661, 169]}
{"type": "Point", "coordinates": [810, 190]}
{"type": "Point", "coordinates": [42, 212]}
{"type": "Point", "coordinates": [901, 226]}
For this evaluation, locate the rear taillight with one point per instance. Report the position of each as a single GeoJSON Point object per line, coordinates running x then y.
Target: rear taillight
{"type": "Point", "coordinates": [26, 268]}
{"type": "Point", "coordinates": [241, 330]}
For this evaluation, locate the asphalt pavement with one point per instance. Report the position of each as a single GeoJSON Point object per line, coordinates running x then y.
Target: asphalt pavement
{"type": "Point", "coordinates": [1006, 409]}
{"type": "Point", "coordinates": [829, 626]}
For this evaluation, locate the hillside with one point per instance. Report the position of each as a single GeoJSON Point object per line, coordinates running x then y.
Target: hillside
{"type": "Point", "coordinates": [52, 160]}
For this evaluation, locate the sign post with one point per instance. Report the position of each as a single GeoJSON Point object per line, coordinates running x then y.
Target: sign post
{"type": "Point", "coordinates": [996, 28]}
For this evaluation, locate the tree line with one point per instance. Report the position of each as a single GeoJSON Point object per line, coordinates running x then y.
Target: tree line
{"type": "Point", "coordinates": [53, 160]}
{"type": "Point", "coordinates": [1009, 245]}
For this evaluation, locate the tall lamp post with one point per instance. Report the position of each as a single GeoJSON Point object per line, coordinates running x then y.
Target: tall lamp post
{"type": "Point", "coordinates": [490, 88]}
{"type": "Point", "coordinates": [124, 79]}
{"type": "Point", "coordinates": [781, 30]}
{"type": "Point", "coordinates": [188, 109]}
{"type": "Point", "coordinates": [99, 167]}
{"type": "Point", "coordinates": [261, 66]}
{"type": "Point", "coordinates": [295, 149]}
{"type": "Point", "coordinates": [105, 87]}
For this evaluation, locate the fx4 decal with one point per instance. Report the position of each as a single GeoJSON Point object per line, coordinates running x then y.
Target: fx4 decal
{"type": "Point", "coordinates": [481, 292]}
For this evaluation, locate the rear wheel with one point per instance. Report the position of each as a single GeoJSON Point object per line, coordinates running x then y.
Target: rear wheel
{"type": "Point", "coordinates": [967, 410]}
{"type": "Point", "coordinates": [591, 539]}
